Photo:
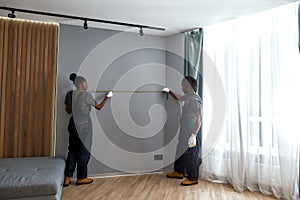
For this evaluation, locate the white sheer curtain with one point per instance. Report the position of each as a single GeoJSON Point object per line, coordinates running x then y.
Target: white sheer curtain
{"type": "Point", "coordinates": [258, 61]}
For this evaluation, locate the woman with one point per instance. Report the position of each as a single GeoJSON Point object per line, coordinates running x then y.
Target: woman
{"type": "Point", "coordinates": [79, 103]}
{"type": "Point", "coordinates": [188, 147]}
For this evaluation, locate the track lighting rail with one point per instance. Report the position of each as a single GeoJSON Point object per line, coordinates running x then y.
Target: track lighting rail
{"type": "Point", "coordinates": [85, 19]}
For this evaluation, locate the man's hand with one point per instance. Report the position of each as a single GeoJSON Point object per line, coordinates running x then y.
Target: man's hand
{"type": "Point", "coordinates": [109, 94]}
{"type": "Point", "coordinates": [192, 141]}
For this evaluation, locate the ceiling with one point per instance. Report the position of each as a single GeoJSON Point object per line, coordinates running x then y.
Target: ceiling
{"type": "Point", "coordinates": [174, 15]}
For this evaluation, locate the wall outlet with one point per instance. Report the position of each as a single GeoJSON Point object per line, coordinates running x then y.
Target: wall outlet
{"type": "Point", "coordinates": [159, 157]}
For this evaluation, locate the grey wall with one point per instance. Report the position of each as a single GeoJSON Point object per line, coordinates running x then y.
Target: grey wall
{"type": "Point", "coordinates": [129, 131]}
{"type": "Point", "coordinates": [174, 75]}
{"type": "Point", "coordinates": [74, 45]}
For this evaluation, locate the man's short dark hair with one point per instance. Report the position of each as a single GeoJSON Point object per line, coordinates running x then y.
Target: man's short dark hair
{"type": "Point", "coordinates": [192, 82]}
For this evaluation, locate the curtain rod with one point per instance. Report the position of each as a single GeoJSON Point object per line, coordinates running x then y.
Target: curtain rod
{"type": "Point", "coordinates": [85, 19]}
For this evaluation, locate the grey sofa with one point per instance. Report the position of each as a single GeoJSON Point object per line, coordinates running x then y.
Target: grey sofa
{"type": "Point", "coordinates": [31, 178]}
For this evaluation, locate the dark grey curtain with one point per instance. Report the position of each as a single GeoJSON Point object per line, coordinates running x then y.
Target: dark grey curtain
{"type": "Point", "coordinates": [193, 62]}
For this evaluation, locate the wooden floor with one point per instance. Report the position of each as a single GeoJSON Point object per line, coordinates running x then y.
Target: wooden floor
{"type": "Point", "coordinates": [155, 187]}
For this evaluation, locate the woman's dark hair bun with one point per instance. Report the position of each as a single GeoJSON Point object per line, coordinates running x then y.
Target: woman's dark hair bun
{"type": "Point", "coordinates": [73, 77]}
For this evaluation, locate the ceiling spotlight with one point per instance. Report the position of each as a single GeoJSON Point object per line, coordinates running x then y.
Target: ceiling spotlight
{"type": "Point", "coordinates": [141, 31]}
{"type": "Point", "coordinates": [85, 25]}
{"type": "Point", "coordinates": [12, 14]}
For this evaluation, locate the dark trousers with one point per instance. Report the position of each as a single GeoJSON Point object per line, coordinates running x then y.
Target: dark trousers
{"type": "Point", "coordinates": [188, 163]}
{"type": "Point", "coordinates": [77, 154]}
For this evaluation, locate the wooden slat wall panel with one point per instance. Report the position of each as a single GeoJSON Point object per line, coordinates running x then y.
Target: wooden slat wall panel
{"type": "Point", "coordinates": [28, 53]}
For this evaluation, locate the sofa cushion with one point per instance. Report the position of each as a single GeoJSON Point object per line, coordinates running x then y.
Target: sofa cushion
{"type": "Point", "coordinates": [30, 177]}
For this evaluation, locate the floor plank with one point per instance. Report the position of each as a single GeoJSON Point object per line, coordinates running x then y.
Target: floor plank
{"type": "Point", "coordinates": [153, 187]}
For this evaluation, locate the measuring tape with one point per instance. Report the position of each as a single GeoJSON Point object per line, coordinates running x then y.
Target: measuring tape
{"type": "Point", "coordinates": [126, 91]}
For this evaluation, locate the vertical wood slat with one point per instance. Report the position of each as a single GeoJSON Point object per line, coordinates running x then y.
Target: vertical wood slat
{"type": "Point", "coordinates": [31, 92]}
{"type": "Point", "coordinates": [13, 65]}
{"type": "Point", "coordinates": [35, 101]}
{"type": "Point", "coordinates": [27, 90]}
{"type": "Point", "coordinates": [13, 34]}
{"type": "Point", "coordinates": [22, 138]}
{"type": "Point", "coordinates": [4, 77]}
{"type": "Point", "coordinates": [15, 92]}
{"type": "Point", "coordinates": [2, 72]}
{"type": "Point", "coordinates": [26, 141]}
{"type": "Point", "coordinates": [48, 86]}
{"type": "Point", "coordinates": [46, 63]}
{"type": "Point", "coordinates": [36, 89]}
{"type": "Point", "coordinates": [53, 91]}
{"type": "Point", "coordinates": [22, 37]}
{"type": "Point", "coordinates": [49, 92]}
{"type": "Point", "coordinates": [8, 94]}
{"type": "Point", "coordinates": [53, 95]}
{"type": "Point", "coordinates": [33, 89]}
{"type": "Point", "coordinates": [18, 140]}
{"type": "Point", "coordinates": [40, 89]}
{"type": "Point", "coordinates": [48, 139]}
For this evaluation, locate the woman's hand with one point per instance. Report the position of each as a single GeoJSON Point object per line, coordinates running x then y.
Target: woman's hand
{"type": "Point", "coordinates": [68, 109]}
{"type": "Point", "coordinates": [167, 90]}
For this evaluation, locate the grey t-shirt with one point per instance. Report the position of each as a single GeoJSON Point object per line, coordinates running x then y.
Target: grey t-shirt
{"type": "Point", "coordinates": [192, 105]}
{"type": "Point", "coordinates": [82, 102]}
